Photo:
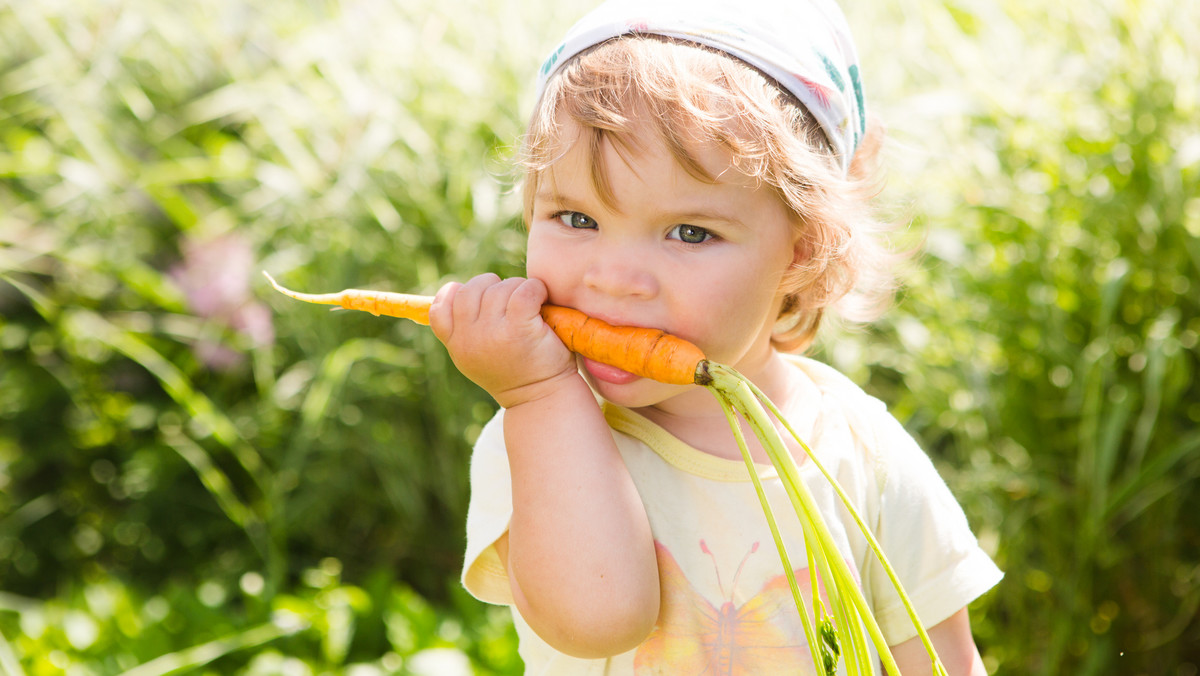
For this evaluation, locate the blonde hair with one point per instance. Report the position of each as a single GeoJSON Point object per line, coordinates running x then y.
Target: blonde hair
{"type": "Point", "coordinates": [692, 94]}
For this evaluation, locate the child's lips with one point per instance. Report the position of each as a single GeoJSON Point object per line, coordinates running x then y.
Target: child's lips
{"type": "Point", "coordinates": [608, 374]}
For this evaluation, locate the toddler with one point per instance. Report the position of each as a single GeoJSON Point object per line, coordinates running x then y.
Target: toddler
{"type": "Point", "coordinates": [701, 167]}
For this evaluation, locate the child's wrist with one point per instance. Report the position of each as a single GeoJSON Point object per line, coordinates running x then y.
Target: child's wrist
{"type": "Point", "coordinates": [541, 390]}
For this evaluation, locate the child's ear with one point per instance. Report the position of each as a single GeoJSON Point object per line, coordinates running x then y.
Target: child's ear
{"type": "Point", "coordinates": [801, 257]}
{"type": "Point", "coordinates": [801, 251]}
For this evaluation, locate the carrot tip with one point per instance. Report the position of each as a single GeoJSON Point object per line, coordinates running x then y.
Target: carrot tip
{"type": "Point", "coordinates": [323, 299]}
{"type": "Point", "coordinates": [278, 287]}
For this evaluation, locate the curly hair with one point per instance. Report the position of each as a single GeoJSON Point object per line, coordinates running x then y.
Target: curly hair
{"type": "Point", "coordinates": [693, 94]}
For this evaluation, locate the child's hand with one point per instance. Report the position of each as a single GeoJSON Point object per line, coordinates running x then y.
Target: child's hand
{"type": "Point", "coordinates": [495, 334]}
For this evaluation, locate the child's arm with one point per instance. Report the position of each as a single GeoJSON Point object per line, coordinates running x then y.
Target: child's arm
{"type": "Point", "coordinates": [579, 551]}
{"type": "Point", "coordinates": [955, 646]}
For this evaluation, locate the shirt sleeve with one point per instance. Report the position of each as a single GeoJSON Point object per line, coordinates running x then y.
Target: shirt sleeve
{"type": "Point", "coordinates": [488, 514]}
{"type": "Point", "coordinates": [925, 535]}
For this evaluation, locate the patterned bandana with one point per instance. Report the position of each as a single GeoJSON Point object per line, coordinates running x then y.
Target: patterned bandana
{"type": "Point", "coordinates": [804, 45]}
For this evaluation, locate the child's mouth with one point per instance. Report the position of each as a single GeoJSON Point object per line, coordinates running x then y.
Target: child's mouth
{"type": "Point", "coordinates": [608, 374]}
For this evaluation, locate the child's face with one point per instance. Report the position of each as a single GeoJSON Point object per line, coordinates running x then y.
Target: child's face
{"type": "Point", "coordinates": [701, 261]}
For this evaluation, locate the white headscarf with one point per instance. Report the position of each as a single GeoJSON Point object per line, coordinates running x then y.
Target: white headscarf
{"type": "Point", "coordinates": [804, 45]}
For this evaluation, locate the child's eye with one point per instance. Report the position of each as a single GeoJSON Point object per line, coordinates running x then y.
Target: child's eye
{"type": "Point", "coordinates": [690, 234]}
{"type": "Point", "coordinates": [574, 219]}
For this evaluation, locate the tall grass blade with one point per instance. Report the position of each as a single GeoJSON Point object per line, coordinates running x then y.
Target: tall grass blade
{"type": "Point", "coordinates": [1153, 385]}
{"type": "Point", "coordinates": [1166, 462]}
{"type": "Point", "coordinates": [176, 384]}
{"type": "Point", "coordinates": [254, 521]}
{"type": "Point", "coordinates": [200, 655]}
{"type": "Point", "coordinates": [216, 481]}
{"type": "Point", "coordinates": [9, 666]}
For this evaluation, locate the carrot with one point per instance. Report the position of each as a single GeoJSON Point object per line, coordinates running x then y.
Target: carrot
{"type": "Point", "coordinates": [649, 353]}
{"type": "Point", "coordinates": [402, 305]}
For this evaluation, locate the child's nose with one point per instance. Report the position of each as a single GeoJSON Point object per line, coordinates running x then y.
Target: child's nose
{"type": "Point", "coordinates": [621, 272]}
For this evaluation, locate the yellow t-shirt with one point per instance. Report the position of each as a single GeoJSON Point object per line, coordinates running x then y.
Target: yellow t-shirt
{"type": "Point", "coordinates": [718, 565]}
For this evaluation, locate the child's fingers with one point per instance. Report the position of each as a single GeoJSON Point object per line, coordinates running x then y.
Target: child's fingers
{"type": "Point", "coordinates": [494, 300]}
{"type": "Point", "coordinates": [482, 298]}
{"type": "Point", "coordinates": [441, 317]}
{"type": "Point", "coordinates": [498, 304]}
{"type": "Point", "coordinates": [527, 298]}
{"type": "Point", "coordinates": [470, 297]}
{"type": "Point", "coordinates": [494, 332]}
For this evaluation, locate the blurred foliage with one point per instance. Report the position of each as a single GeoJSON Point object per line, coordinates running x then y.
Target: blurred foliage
{"type": "Point", "coordinates": [159, 424]}
{"type": "Point", "coordinates": [1045, 349]}
{"type": "Point", "coordinates": [198, 474]}
{"type": "Point", "coordinates": [321, 624]}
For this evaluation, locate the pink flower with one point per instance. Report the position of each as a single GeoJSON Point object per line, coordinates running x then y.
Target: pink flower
{"type": "Point", "coordinates": [215, 277]}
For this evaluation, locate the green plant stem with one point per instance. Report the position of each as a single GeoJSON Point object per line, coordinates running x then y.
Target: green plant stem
{"type": "Point", "coordinates": [871, 541]}
{"type": "Point", "coordinates": [728, 384]}
{"type": "Point", "coordinates": [807, 620]}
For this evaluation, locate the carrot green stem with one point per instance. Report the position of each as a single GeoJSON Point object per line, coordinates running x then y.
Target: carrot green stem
{"type": "Point", "coordinates": [809, 631]}
{"type": "Point", "coordinates": [939, 668]}
{"type": "Point", "coordinates": [727, 383]}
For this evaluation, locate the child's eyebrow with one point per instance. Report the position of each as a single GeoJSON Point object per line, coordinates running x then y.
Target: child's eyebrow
{"type": "Point", "coordinates": [561, 201]}
{"type": "Point", "coordinates": [557, 198]}
{"type": "Point", "coordinates": [704, 215]}
{"type": "Point", "coordinates": [683, 215]}
{"type": "Point", "coordinates": [549, 196]}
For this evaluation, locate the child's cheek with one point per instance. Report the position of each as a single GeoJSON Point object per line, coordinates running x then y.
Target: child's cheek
{"type": "Point", "coordinates": [539, 264]}
{"type": "Point", "coordinates": [736, 323]}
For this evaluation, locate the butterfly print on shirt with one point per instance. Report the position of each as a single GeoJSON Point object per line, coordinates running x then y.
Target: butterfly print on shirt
{"type": "Point", "coordinates": [693, 636]}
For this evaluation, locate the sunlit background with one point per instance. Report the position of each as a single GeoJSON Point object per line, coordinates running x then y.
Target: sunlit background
{"type": "Point", "coordinates": [199, 476]}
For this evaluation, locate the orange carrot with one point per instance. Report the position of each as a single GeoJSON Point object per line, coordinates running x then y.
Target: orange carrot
{"type": "Point", "coordinates": [402, 305]}
{"type": "Point", "coordinates": [649, 353]}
